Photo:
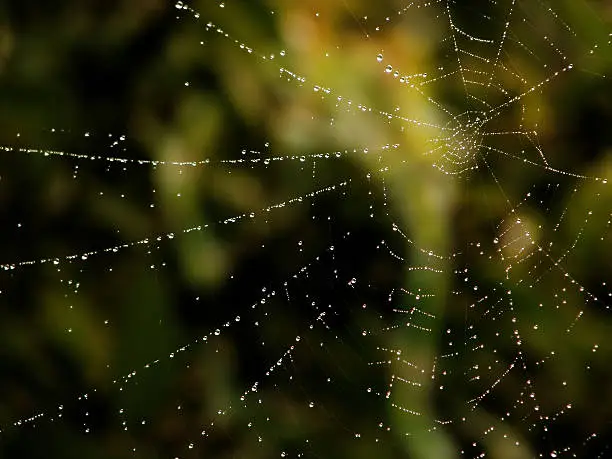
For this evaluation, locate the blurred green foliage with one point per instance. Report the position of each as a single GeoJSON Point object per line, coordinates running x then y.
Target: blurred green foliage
{"type": "Point", "coordinates": [180, 92]}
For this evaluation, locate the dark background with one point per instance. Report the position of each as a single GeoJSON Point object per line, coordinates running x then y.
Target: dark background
{"type": "Point", "coordinates": [145, 80]}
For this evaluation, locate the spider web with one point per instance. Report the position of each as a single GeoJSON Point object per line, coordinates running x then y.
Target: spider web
{"type": "Point", "coordinates": [363, 330]}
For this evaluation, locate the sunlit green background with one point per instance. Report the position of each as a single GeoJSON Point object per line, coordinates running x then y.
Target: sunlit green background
{"type": "Point", "coordinates": [71, 73]}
